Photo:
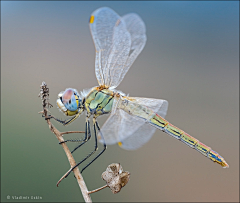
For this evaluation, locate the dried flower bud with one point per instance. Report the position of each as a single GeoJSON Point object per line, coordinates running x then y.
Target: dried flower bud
{"type": "Point", "coordinates": [115, 177]}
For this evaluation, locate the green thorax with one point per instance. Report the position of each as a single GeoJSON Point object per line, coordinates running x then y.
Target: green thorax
{"type": "Point", "coordinates": [99, 101]}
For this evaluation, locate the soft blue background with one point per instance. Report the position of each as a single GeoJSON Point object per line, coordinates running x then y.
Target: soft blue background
{"type": "Point", "coordinates": [191, 59]}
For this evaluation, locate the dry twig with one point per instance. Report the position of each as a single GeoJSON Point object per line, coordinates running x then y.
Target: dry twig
{"type": "Point", "coordinates": [90, 192]}
{"type": "Point", "coordinates": [44, 94]}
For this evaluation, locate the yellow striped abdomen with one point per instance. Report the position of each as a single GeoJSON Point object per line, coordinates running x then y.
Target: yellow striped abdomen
{"type": "Point", "coordinates": [170, 129]}
{"type": "Point", "coordinates": [157, 121]}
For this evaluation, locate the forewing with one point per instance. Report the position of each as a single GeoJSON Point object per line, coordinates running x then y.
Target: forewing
{"type": "Point", "coordinates": [112, 42]}
{"type": "Point", "coordinates": [119, 54]}
{"type": "Point", "coordinates": [118, 42]}
{"type": "Point", "coordinates": [130, 130]}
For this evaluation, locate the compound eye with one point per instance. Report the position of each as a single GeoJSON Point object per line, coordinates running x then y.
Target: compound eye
{"type": "Point", "coordinates": [69, 100]}
{"type": "Point", "coordinates": [67, 95]}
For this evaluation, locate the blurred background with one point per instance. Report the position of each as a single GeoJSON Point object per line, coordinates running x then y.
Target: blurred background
{"type": "Point", "coordinates": [191, 59]}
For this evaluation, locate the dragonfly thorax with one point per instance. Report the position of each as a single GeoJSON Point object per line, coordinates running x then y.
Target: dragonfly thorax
{"type": "Point", "coordinates": [99, 101]}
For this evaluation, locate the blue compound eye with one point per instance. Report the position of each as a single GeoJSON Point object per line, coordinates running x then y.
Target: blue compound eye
{"type": "Point", "coordinates": [69, 100]}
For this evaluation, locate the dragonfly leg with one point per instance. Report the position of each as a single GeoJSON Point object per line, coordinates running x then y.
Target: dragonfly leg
{"type": "Point", "coordinates": [64, 122]}
{"type": "Point", "coordinates": [67, 121]}
{"type": "Point", "coordinates": [104, 144]}
{"type": "Point", "coordinates": [95, 125]}
{"type": "Point", "coordinates": [87, 135]}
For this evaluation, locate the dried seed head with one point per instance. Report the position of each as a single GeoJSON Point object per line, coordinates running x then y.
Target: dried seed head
{"type": "Point", "coordinates": [44, 94]}
{"type": "Point", "coordinates": [115, 177]}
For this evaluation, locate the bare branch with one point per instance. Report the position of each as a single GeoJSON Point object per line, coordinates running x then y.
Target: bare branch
{"type": "Point", "coordinates": [90, 192]}
{"type": "Point", "coordinates": [44, 94]}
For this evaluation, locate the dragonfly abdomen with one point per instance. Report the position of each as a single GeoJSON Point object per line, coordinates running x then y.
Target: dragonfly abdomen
{"type": "Point", "coordinates": [157, 121]}
{"type": "Point", "coordinates": [170, 129]}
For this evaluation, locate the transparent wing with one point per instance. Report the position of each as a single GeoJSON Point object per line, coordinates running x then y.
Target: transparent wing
{"type": "Point", "coordinates": [118, 42]}
{"type": "Point", "coordinates": [112, 42]}
{"type": "Point", "coordinates": [159, 106]}
{"type": "Point", "coordinates": [137, 30]}
{"type": "Point", "coordinates": [141, 136]}
{"type": "Point", "coordinates": [130, 130]}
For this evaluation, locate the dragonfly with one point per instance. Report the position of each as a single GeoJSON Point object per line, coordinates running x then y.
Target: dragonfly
{"type": "Point", "coordinates": [132, 120]}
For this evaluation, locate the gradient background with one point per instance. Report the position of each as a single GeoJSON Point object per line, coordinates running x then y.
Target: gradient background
{"type": "Point", "coordinates": [190, 59]}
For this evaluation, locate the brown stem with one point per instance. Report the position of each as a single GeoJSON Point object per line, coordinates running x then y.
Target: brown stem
{"type": "Point", "coordinates": [44, 96]}
{"type": "Point", "coordinates": [63, 177]}
{"type": "Point", "coordinates": [90, 192]}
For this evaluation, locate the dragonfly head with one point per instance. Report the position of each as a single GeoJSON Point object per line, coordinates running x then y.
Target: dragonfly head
{"type": "Point", "coordinates": [69, 101]}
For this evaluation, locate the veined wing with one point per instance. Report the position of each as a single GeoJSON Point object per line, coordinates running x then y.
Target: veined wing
{"type": "Point", "coordinates": [118, 42]}
{"type": "Point", "coordinates": [137, 30]}
{"type": "Point", "coordinates": [129, 130]}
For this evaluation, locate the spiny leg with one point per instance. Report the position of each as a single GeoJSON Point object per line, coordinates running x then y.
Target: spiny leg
{"type": "Point", "coordinates": [96, 147]}
{"type": "Point", "coordinates": [104, 144]}
{"type": "Point", "coordinates": [87, 135]}
{"type": "Point", "coordinates": [86, 138]}
{"type": "Point", "coordinates": [66, 122]}
{"type": "Point", "coordinates": [90, 154]}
